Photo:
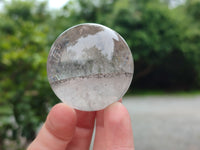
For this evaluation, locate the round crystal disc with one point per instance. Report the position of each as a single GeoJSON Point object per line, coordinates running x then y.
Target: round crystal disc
{"type": "Point", "coordinates": [89, 67]}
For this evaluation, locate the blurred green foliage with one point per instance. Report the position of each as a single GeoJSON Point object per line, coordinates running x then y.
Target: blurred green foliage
{"type": "Point", "coordinates": [164, 42]}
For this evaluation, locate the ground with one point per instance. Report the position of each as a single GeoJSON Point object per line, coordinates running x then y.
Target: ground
{"type": "Point", "coordinates": [165, 122]}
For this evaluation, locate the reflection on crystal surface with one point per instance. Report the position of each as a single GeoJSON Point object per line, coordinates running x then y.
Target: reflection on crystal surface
{"type": "Point", "coordinates": [89, 67]}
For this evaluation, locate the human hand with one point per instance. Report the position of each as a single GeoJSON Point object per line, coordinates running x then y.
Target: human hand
{"type": "Point", "coordinates": [69, 129]}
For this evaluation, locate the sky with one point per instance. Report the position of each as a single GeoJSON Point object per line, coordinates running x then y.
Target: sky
{"type": "Point", "coordinates": [56, 4]}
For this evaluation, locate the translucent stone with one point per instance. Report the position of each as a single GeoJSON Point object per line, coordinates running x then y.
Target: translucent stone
{"type": "Point", "coordinates": [89, 67]}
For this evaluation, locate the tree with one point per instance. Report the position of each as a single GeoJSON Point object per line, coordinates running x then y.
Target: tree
{"type": "Point", "coordinates": [190, 44]}
{"type": "Point", "coordinates": [25, 92]}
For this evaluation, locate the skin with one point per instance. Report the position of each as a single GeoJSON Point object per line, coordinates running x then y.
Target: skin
{"type": "Point", "coordinates": [69, 129]}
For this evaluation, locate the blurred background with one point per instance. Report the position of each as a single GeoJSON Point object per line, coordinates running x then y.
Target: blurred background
{"type": "Point", "coordinates": [164, 35]}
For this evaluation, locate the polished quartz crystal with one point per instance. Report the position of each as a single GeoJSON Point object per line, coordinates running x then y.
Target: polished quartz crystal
{"type": "Point", "coordinates": [89, 67]}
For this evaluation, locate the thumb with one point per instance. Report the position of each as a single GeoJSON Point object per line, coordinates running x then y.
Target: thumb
{"type": "Point", "coordinates": [58, 129]}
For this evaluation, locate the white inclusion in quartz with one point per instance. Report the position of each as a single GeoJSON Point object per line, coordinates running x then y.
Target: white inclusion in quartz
{"type": "Point", "coordinates": [96, 40]}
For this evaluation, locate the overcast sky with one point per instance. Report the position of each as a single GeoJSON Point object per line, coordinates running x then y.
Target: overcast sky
{"type": "Point", "coordinates": [57, 3]}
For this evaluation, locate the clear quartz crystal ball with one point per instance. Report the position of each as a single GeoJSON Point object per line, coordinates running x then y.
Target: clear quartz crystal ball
{"type": "Point", "coordinates": [89, 67]}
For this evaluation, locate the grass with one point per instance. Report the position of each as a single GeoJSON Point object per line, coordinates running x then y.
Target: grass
{"type": "Point", "coordinates": [162, 93]}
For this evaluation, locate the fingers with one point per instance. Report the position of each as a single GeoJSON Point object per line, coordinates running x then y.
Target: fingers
{"type": "Point", "coordinates": [99, 141]}
{"type": "Point", "coordinates": [118, 130]}
{"type": "Point", "coordinates": [84, 130]}
{"type": "Point", "coordinates": [113, 129]}
{"type": "Point", "coordinates": [65, 128]}
{"type": "Point", "coordinates": [57, 131]}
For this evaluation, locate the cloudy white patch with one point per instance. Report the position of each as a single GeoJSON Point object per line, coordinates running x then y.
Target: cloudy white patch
{"type": "Point", "coordinates": [103, 41]}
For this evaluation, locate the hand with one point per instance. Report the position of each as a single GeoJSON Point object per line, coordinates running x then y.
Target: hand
{"type": "Point", "coordinates": [69, 129]}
